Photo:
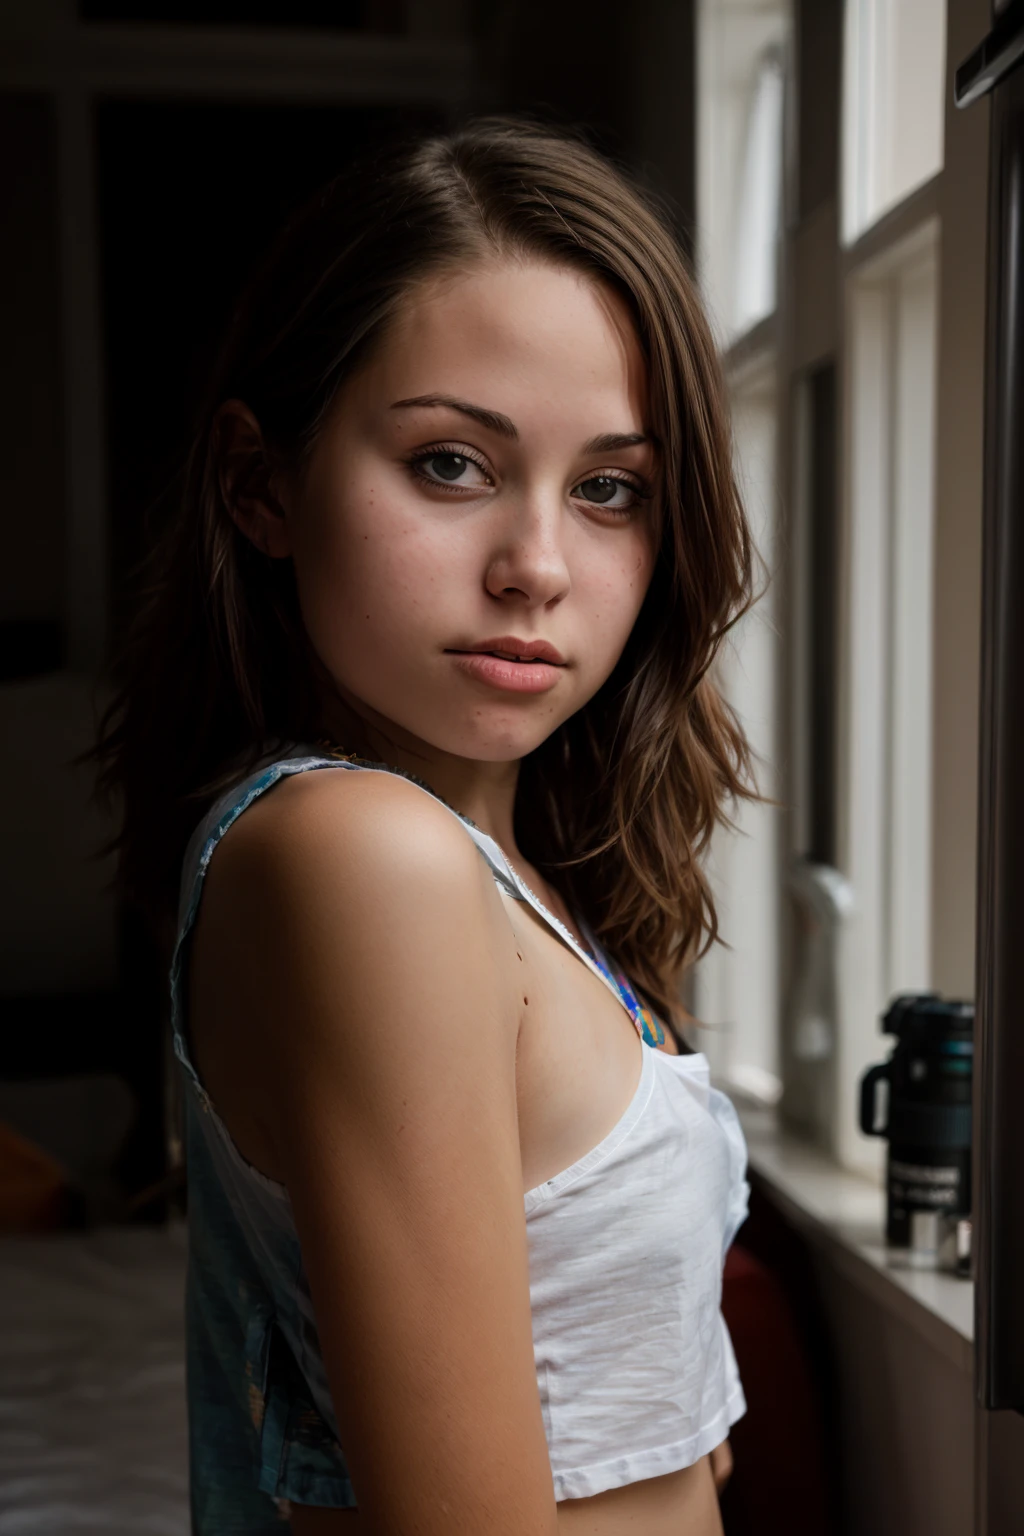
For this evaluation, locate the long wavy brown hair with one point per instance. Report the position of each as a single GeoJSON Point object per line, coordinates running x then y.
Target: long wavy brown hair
{"type": "Point", "coordinates": [617, 806]}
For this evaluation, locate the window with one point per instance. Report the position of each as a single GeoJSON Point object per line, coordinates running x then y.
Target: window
{"type": "Point", "coordinates": [740, 47]}
{"type": "Point", "coordinates": [760, 186]}
{"type": "Point", "coordinates": [894, 54]}
{"type": "Point", "coordinates": [842, 893]}
{"type": "Point", "coordinates": [737, 988]}
{"type": "Point", "coordinates": [886, 831]}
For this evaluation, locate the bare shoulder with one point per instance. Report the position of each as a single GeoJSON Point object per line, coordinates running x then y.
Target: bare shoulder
{"type": "Point", "coordinates": [341, 900]}
{"type": "Point", "coordinates": [377, 821]}
{"type": "Point", "coordinates": [346, 850]}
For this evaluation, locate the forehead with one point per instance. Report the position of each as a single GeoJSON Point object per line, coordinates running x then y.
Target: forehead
{"type": "Point", "coordinates": [525, 337]}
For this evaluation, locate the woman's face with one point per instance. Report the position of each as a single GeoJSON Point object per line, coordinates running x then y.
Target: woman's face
{"type": "Point", "coordinates": [484, 484]}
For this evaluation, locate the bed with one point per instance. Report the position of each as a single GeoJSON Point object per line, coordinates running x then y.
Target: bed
{"type": "Point", "coordinates": [92, 1384]}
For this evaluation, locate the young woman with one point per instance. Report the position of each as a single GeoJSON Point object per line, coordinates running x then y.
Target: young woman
{"type": "Point", "coordinates": [428, 661]}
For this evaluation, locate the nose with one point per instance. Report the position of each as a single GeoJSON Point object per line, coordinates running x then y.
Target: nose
{"type": "Point", "coordinates": [528, 560]}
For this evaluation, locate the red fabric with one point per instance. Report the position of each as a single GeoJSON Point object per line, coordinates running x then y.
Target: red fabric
{"type": "Point", "coordinates": [779, 1481]}
{"type": "Point", "coordinates": [33, 1189]}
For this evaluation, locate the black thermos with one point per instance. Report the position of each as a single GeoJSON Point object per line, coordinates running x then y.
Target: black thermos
{"type": "Point", "coordinates": [928, 1117]}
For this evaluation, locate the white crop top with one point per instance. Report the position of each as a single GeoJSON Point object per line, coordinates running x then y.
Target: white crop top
{"type": "Point", "coordinates": [634, 1363]}
{"type": "Point", "coordinates": [635, 1368]}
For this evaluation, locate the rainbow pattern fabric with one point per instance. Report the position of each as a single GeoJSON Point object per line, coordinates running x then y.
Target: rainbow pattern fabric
{"type": "Point", "coordinates": [649, 1025]}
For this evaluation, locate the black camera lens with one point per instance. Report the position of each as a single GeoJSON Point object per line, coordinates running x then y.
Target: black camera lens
{"type": "Point", "coordinates": [920, 1100]}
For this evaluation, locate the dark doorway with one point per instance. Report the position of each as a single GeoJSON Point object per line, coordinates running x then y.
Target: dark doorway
{"type": "Point", "coordinates": [190, 196]}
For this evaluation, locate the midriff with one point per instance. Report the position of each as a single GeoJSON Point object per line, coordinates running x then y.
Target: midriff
{"type": "Point", "coordinates": [682, 1503]}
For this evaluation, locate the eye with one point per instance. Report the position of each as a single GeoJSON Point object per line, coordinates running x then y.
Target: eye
{"type": "Point", "coordinates": [602, 490]}
{"type": "Point", "coordinates": [448, 467]}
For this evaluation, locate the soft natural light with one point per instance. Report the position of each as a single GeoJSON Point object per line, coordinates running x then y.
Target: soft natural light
{"type": "Point", "coordinates": [741, 48]}
{"type": "Point", "coordinates": [893, 104]}
{"type": "Point", "coordinates": [885, 847]}
{"type": "Point", "coordinates": [737, 985]}
{"type": "Point", "coordinates": [760, 190]}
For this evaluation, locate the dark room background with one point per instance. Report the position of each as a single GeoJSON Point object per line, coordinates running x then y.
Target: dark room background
{"type": "Point", "coordinates": [148, 153]}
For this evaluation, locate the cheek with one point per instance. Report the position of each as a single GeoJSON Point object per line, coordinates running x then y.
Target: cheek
{"type": "Point", "coordinates": [616, 586]}
{"type": "Point", "coordinates": [367, 568]}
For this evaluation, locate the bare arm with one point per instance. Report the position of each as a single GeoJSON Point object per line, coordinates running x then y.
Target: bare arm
{"type": "Point", "coordinates": [368, 950]}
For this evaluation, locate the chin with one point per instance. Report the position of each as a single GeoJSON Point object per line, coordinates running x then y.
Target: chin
{"type": "Point", "coordinates": [504, 742]}
{"type": "Point", "coordinates": [511, 749]}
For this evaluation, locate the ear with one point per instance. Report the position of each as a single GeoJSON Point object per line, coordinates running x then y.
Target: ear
{"type": "Point", "coordinates": [253, 492]}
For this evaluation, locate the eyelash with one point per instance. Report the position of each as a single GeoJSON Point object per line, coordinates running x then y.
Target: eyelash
{"type": "Point", "coordinates": [437, 450]}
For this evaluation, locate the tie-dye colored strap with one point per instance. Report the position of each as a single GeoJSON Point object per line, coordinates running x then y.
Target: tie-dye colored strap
{"type": "Point", "coordinates": [649, 1025]}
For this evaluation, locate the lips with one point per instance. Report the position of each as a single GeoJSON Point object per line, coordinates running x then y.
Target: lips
{"type": "Point", "coordinates": [512, 648]}
{"type": "Point", "coordinates": [510, 665]}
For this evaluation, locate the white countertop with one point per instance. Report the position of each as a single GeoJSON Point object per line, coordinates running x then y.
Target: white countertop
{"type": "Point", "coordinates": [845, 1212]}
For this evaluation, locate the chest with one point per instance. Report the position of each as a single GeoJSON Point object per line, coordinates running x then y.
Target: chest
{"type": "Point", "coordinates": [579, 1055]}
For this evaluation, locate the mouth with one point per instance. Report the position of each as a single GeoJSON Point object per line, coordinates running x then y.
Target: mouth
{"type": "Point", "coordinates": [510, 665]}
{"type": "Point", "coordinates": [511, 648]}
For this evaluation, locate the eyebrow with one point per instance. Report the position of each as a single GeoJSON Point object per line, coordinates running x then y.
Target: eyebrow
{"type": "Point", "coordinates": [607, 442]}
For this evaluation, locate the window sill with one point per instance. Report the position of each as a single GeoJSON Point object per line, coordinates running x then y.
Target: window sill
{"type": "Point", "coordinates": [842, 1214]}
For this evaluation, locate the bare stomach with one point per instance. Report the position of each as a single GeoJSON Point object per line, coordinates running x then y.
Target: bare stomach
{"type": "Point", "coordinates": [681, 1503]}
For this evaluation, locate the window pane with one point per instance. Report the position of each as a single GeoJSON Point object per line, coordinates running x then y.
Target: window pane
{"type": "Point", "coordinates": [894, 60]}
{"type": "Point", "coordinates": [741, 75]}
{"type": "Point", "coordinates": [737, 987]}
{"type": "Point", "coordinates": [760, 186]}
{"type": "Point", "coordinates": [885, 849]}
